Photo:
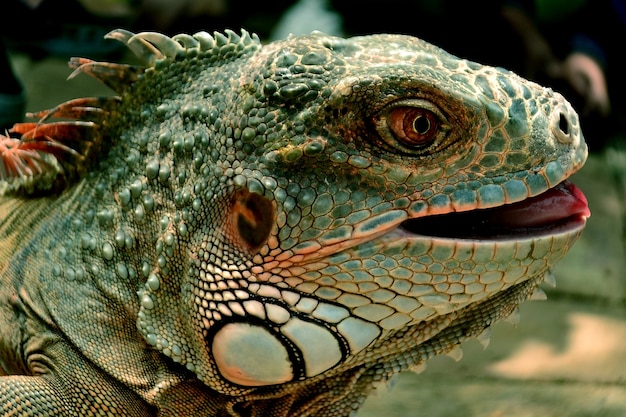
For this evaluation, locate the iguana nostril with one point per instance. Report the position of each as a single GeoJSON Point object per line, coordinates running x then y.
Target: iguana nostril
{"type": "Point", "coordinates": [564, 123]}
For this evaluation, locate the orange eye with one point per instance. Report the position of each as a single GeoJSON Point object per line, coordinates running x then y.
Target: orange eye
{"type": "Point", "coordinates": [415, 127]}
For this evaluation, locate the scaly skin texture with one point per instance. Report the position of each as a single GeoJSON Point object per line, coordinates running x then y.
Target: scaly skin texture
{"type": "Point", "coordinates": [230, 235]}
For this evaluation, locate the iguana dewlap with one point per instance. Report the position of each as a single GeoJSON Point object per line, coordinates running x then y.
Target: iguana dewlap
{"type": "Point", "coordinates": [272, 230]}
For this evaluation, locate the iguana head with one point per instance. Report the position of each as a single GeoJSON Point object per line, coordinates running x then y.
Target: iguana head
{"type": "Point", "coordinates": [322, 206]}
{"type": "Point", "coordinates": [384, 184]}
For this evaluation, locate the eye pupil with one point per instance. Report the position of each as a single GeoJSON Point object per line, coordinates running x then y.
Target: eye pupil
{"type": "Point", "coordinates": [414, 127]}
{"type": "Point", "coordinates": [421, 124]}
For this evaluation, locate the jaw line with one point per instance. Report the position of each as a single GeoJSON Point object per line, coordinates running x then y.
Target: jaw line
{"type": "Point", "coordinates": [404, 229]}
{"type": "Point", "coordinates": [572, 225]}
{"type": "Point", "coordinates": [397, 232]}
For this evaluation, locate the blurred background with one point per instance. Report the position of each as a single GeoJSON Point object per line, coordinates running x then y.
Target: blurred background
{"type": "Point", "coordinates": [567, 356]}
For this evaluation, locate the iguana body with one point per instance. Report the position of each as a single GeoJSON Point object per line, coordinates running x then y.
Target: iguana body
{"type": "Point", "coordinates": [262, 230]}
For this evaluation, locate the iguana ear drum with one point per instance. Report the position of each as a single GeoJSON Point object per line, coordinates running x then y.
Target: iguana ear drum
{"type": "Point", "coordinates": [252, 217]}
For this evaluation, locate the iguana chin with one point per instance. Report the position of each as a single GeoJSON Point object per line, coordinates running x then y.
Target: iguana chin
{"type": "Point", "coordinates": [272, 230]}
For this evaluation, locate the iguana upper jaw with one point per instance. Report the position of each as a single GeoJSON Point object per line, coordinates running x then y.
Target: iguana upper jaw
{"type": "Point", "coordinates": [559, 209]}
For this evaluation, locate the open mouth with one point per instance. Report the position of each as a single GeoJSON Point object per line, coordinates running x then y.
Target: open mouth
{"type": "Point", "coordinates": [561, 208]}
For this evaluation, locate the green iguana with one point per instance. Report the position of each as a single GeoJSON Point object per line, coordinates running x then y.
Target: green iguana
{"type": "Point", "coordinates": [272, 230]}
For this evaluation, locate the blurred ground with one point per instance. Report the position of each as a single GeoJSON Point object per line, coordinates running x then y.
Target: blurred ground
{"type": "Point", "coordinates": [566, 357]}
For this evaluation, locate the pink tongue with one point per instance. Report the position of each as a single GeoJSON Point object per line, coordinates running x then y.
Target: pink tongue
{"type": "Point", "coordinates": [558, 203]}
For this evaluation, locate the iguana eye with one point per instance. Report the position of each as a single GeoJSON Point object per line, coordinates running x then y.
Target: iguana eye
{"type": "Point", "coordinates": [412, 126]}
{"type": "Point", "coordinates": [415, 127]}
